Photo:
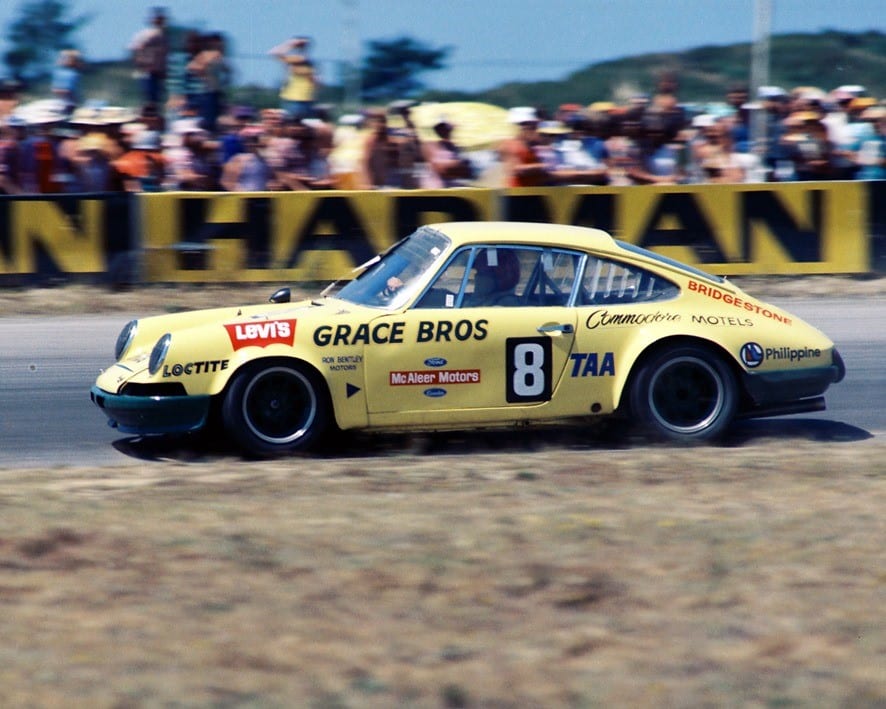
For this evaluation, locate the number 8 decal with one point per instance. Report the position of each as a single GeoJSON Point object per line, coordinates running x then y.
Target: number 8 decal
{"type": "Point", "coordinates": [528, 369]}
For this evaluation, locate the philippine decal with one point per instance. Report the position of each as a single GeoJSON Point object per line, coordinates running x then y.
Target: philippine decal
{"type": "Point", "coordinates": [752, 354]}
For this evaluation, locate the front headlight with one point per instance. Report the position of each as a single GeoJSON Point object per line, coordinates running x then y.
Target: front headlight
{"type": "Point", "coordinates": [125, 338]}
{"type": "Point", "coordinates": [158, 354]}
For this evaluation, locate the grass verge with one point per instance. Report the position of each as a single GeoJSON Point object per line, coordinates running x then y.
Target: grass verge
{"type": "Point", "coordinates": [749, 576]}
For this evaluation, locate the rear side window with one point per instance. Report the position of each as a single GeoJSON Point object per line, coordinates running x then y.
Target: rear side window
{"type": "Point", "coordinates": [608, 282]}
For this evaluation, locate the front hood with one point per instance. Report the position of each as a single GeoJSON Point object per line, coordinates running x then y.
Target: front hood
{"type": "Point", "coordinates": [215, 340]}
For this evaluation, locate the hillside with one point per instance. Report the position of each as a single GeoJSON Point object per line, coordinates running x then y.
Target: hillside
{"type": "Point", "coordinates": [827, 60]}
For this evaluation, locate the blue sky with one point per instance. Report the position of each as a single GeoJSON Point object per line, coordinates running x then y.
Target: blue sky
{"type": "Point", "coordinates": [493, 41]}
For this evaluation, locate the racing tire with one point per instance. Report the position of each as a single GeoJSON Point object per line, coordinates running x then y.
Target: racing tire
{"type": "Point", "coordinates": [685, 394]}
{"type": "Point", "coordinates": [275, 409]}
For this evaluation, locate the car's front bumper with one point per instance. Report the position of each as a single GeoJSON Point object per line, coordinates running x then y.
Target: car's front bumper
{"type": "Point", "coordinates": [145, 415]}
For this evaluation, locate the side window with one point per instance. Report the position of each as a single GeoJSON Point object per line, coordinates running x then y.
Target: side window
{"type": "Point", "coordinates": [552, 278]}
{"type": "Point", "coordinates": [444, 292]}
{"type": "Point", "coordinates": [608, 282]}
{"type": "Point", "coordinates": [504, 276]}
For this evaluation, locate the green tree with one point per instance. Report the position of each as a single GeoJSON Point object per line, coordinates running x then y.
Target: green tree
{"type": "Point", "coordinates": [35, 37]}
{"type": "Point", "coordinates": [391, 68]}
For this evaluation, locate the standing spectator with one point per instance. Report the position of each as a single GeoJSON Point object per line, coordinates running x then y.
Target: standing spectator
{"type": "Point", "coordinates": [248, 171]}
{"type": "Point", "coordinates": [143, 167]}
{"type": "Point", "coordinates": [521, 158]}
{"type": "Point", "coordinates": [150, 52]}
{"type": "Point", "coordinates": [9, 158]}
{"type": "Point", "coordinates": [871, 154]}
{"type": "Point", "coordinates": [808, 146]}
{"type": "Point", "coordinates": [623, 146]}
{"type": "Point", "coordinates": [661, 157]}
{"type": "Point", "coordinates": [410, 159]}
{"type": "Point", "coordinates": [212, 67]}
{"type": "Point", "coordinates": [44, 159]}
{"type": "Point", "coordinates": [190, 163]}
{"type": "Point", "coordinates": [298, 92]}
{"type": "Point", "coordinates": [774, 100]}
{"type": "Point", "coordinates": [9, 97]}
{"type": "Point", "coordinates": [447, 167]}
{"type": "Point", "coordinates": [95, 172]}
{"type": "Point", "coordinates": [714, 152]}
{"type": "Point", "coordinates": [740, 130]}
{"type": "Point", "coordinates": [65, 83]}
{"type": "Point", "coordinates": [378, 164]}
{"type": "Point", "coordinates": [304, 166]}
{"type": "Point", "coordinates": [581, 156]}
{"type": "Point", "coordinates": [186, 87]}
{"type": "Point", "coordinates": [230, 127]}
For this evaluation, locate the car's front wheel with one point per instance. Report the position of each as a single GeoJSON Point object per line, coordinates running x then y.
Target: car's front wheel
{"type": "Point", "coordinates": [684, 393]}
{"type": "Point", "coordinates": [275, 409]}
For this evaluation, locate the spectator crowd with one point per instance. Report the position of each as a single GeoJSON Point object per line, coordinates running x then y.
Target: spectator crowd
{"type": "Point", "coordinates": [186, 135]}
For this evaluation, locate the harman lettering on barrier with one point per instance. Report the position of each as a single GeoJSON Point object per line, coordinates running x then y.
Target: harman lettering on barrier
{"type": "Point", "coordinates": [766, 208]}
{"type": "Point", "coordinates": [332, 224]}
{"type": "Point", "coordinates": [696, 231]}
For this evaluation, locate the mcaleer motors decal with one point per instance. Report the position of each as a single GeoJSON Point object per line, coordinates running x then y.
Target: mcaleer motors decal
{"type": "Point", "coordinates": [435, 377]}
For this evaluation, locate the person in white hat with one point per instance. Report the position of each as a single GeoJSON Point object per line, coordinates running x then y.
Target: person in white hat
{"type": "Point", "coordinates": [521, 158]}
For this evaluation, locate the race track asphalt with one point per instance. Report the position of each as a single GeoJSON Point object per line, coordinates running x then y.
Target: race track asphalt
{"type": "Point", "coordinates": [47, 365]}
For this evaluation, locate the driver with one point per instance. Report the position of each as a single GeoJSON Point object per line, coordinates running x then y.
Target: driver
{"type": "Point", "coordinates": [497, 272]}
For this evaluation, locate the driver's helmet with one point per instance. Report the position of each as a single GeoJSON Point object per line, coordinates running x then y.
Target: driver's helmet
{"type": "Point", "coordinates": [499, 267]}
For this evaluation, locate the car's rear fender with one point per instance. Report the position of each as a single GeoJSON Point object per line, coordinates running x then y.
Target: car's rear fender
{"type": "Point", "coordinates": [622, 395]}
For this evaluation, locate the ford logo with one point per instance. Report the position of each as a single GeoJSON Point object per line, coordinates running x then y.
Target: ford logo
{"type": "Point", "coordinates": [435, 393]}
{"type": "Point", "coordinates": [435, 362]}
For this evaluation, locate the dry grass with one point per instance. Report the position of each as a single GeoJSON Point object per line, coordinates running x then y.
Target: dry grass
{"type": "Point", "coordinates": [560, 576]}
{"type": "Point", "coordinates": [79, 298]}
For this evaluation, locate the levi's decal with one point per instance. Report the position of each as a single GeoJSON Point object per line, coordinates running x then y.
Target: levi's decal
{"type": "Point", "coordinates": [261, 334]}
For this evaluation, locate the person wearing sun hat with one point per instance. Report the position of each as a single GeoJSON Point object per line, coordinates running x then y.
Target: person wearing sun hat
{"type": "Point", "coordinates": [93, 167]}
{"type": "Point", "coordinates": [521, 156]}
{"type": "Point", "coordinates": [143, 167]}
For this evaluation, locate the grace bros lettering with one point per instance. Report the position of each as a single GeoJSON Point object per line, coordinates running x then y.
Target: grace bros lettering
{"type": "Point", "coordinates": [394, 333]}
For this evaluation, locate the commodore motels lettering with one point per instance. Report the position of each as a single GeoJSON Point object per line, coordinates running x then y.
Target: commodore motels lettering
{"type": "Point", "coordinates": [603, 318]}
{"type": "Point", "coordinates": [262, 333]}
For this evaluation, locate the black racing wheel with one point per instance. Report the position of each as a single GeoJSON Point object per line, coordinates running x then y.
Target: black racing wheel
{"type": "Point", "coordinates": [684, 393]}
{"type": "Point", "coordinates": [276, 408]}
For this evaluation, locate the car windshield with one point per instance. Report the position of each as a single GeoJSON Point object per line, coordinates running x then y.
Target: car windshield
{"type": "Point", "coordinates": [388, 281]}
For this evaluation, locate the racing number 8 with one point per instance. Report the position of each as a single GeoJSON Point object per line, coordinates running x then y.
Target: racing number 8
{"type": "Point", "coordinates": [528, 369]}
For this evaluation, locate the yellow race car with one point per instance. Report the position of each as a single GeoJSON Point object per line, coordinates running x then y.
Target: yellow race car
{"type": "Point", "coordinates": [474, 324]}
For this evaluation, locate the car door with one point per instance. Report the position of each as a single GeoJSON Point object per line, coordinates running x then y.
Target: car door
{"type": "Point", "coordinates": [461, 354]}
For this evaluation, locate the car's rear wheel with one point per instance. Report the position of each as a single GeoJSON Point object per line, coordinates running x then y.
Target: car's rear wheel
{"type": "Point", "coordinates": [275, 409]}
{"type": "Point", "coordinates": [684, 393]}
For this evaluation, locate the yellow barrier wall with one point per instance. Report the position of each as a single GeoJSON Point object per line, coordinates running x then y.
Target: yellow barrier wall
{"type": "Point", "coordinates": [797, 228]}
{"type": "Point", "coordinates": [791, 228]}
{"type": "Point", "coordinates": [56, 235]}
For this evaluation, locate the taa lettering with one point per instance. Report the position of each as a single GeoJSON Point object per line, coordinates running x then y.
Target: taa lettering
{"type": "Point", "coordinates": [592, 364]}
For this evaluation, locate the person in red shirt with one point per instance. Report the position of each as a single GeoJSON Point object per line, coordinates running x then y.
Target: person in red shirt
{"type": "Point", "coordinates": [521, 157]}
{"type": "Point", "coordinates": [143, 168]}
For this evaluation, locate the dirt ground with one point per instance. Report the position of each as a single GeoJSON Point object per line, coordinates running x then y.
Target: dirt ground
{"type": "Point", "coordinates": [518, 572]}
{"type": "Point", "coordinates": [573, 575]}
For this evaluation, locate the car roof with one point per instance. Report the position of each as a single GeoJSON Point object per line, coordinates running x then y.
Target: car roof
{"type": "Point", "coordinates": [526, 232]}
